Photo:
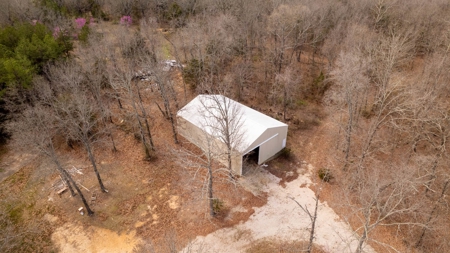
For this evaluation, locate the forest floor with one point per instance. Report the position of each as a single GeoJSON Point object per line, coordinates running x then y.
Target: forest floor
{"type": "Point", "coordinates": [11, 162]}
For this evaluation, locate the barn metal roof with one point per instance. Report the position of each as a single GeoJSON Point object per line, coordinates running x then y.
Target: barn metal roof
{"type": "Point", "coordinates": [253, 123]}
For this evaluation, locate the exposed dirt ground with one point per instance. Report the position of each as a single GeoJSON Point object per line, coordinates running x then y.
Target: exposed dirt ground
{"type": "Point", "coordinates": [72, 238]}
{"type": "Point", "coordinates": [282, 220]}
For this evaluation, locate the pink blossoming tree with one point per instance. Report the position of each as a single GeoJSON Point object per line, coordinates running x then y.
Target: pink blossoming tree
{"type": "Point", "coordinates": [80, 22]}
{"type": "Point", "coordinates": [126, 20]}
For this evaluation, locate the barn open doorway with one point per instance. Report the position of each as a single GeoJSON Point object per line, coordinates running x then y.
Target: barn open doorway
{"type": "Point", "coordinates": [250, 161]}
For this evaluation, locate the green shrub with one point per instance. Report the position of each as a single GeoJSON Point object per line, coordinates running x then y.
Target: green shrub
{"type": "Point", "coordinates": [217, 205]}
{"type": "Point", "coordinates": [318, 87]}
{"type": "Point", "coordinates": [15, 213]}
{"type": "Point", "coordinates": [301, 103]}
{"type": "Point", "coordinates": [192, 73]}
{"type": "Point", "coordinates": [286, 153]}
{"type": "Point", "coordinates": [84, 34]}
{"type": "Point", "coordinates": [24, 49]}
{"type": "Point", "coordinates": [56, 6]}
{"type": "Point", "coordinates": [173, 11]}
{"type": "Point", "coordinates": [325, 175]}
{"type": "Point", "coordinates": [96, 10]}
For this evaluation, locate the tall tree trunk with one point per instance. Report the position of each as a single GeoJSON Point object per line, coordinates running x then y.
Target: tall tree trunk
{"type": "Point", "coordinates": [179, 66]}
{"type": "Point", "coordinates": [361, 241]}
{"type": "Point", "coordinates": [313, 226]}
{"type": "Point", "coordinates": [348, 135]}
{"type": "Point", "coordinates": [64, 177]}
{"type": "Point", "coordinates": [313, 218]}
{"type": "Point", "coordinates": [120, 103]}
{"type": "Point", "coordinates": [229, 143]}
{"type": "Point", "coordinates": [112, 141]}
{"type": "Point", "coordinates": [284, 102]}
{"type": "Point", "coordinates": [280, 62]}
{"type": "Point", "coordinates": [210, 191]}
{"type": "Point", "coordinates": [95, 90]}
{"type": "Point", "coordinates": [147, 149]}
{"type": "Point", "coordinates": [88, 209]}
{"type": "Point", "coordinates": [150, 138]}
{"type": "Point", "coordinates": [145, 116]}
{"type": "Point", "coordinates": [299, 53]}
{"type": "Point", "coordinates": [371, 135]}
{"type": "Point", "coordinates": [230, 169]}
{"type": "Point", "coordinates": [433, 174]}
{"type": "Point", "coordinates": [173, 94]}
{"type": "Point", "coordinates": [174, 131]}
{"type": "Point", "coordinates": [162, 89]}
{"type": "Point", "coordinates": [94, 165]}
{"type": "Point", "coordinates": [424, 229]}
{"type": "Point", "coordinates": [162, 111]}
{"type": "Point", "coordinates": [109, 133]}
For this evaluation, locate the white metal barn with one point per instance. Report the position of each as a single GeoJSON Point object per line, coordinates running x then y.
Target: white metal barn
{"type": "Point", "coordinates": [198, 123]}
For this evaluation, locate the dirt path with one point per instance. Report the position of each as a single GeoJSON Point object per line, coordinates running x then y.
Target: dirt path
{"type": "Point", "coordinates": [281, 219]}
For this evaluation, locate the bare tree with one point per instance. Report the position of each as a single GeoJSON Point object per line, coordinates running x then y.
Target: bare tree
{"type": "Point", "coordinates": [202, 162]}
{"type": "Point", "coordinates": [211, 151]}
{"type": "Point", "coordinates": [37, 128]}
{"type": "Point", "coordinates": [153, 64]}
{"type": "Point", "coordinates": [284, 89]}
{"type": "Point", "coordinates": [18, 10]}
{"type": "Point", "coordinates": [424, 124]}
{"type": "Point", "coordinates": [371, 86]}
{"type": "Point", "coordinates": [166, 90]}
{"type": "Point", "coordinates": [123, 72]}
{"type": "Point", "coordinates": [224, 117]}
{"type": "Point", "coordinates": [389, 95]}
{"type": "Point", "coordinates": [287, 26]}
{"type": "Point", "coordinates": [83, 199]}
{"type": "Point", "coordinates": [122, 7]}
{"type": "Point", "coordinates": [313, 217]}
{"type": "Point", "coordinates": [122, 80]}
{"type": "Point", "coordinates": [218, 51]}
{"type": "Point", "coordinates": [382, 198]}
{"type": "Point", "coordinates": [76, 111]}
{"type": "Point", "coordinates": [433, 212]}
{"type": "Point", "coordinates": [241, 76]}
{"type": "Point", "coordinates": [96, 82]}
{"type": "Point", "coordinates": [352, 86]}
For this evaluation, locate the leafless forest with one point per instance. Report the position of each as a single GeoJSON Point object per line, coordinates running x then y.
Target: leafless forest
{"type": "Point", "coordinates": [375, 71]}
